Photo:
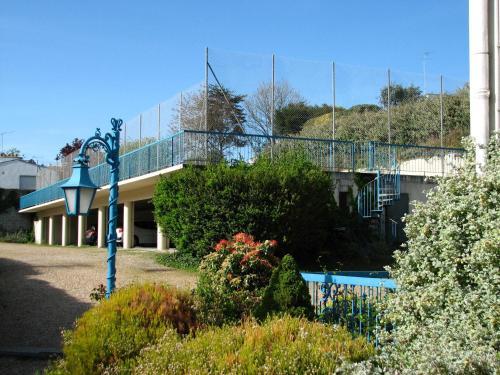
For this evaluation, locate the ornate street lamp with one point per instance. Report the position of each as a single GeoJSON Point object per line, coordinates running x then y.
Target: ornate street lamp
{"type": "Point", "coordinates": [79, 190]}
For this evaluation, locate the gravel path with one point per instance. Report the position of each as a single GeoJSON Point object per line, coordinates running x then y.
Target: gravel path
{"type": "Point", "coordinates": [44, 289]}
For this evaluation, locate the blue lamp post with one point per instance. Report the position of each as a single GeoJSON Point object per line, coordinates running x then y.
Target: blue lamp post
{"type": "Point", "coordinates": [79, 190]}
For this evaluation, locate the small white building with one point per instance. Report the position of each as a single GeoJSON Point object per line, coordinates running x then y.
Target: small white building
{"type": "Point", "coordinates": [17, 177]}
{"type": "Point", "coordinates": [18, 174]}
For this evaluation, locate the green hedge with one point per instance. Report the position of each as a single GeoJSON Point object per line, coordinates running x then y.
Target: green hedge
{"type": "Point", "coordinates": [286, 198]}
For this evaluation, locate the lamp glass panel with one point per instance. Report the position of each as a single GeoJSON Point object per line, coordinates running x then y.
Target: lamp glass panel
{"type": "Point", "coordinates": [70, 197]}
{"type": "Point", "coordinates": [86, 198]}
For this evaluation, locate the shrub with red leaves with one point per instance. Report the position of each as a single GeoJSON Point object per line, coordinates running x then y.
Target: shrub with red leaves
{"type": "Point", "coordinates": [233, 277]}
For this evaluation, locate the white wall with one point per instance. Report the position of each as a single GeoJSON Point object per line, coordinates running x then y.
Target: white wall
{"type": "Point", "coordinates": [11, 170]}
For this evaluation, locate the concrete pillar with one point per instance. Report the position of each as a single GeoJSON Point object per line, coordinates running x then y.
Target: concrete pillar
{"type": "Point", "coordinates": [480, 68]}
{"type": "Point", "coordinates": [162, 242]}
{"type": "Point", "coordinates": [52, 230]}
{"type": "Point", "coordinates": [64, 230]}
{"type": "Point", "coordinates": [101, 226]}
{"type": "Point", "coordinates": [82, 223]}
{"type": "Point", "coordinates": [38, 229]}
{"type": "Point", "coordinates": [128, 225]}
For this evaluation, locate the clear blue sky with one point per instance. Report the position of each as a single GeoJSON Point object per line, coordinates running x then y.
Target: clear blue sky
{"type": "Point", "coordinates": [67, 67]}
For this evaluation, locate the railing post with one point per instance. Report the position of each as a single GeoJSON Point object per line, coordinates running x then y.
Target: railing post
{"type": "Point", "coordinates": [377, 190]}
{"type": "Point", "coordinates": [371, 155]}
{"type": "Point", "coordinates": [149, 159]}
{"type": "Point", "coordinates": [172, 152]}
{"type": "Point", "coordinates": [353, 156]}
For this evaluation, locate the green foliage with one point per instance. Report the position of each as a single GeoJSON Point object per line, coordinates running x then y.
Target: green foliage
{"type": "Point", "coordinates": [447, 304]}
{"type": "Point", "coordinates": [286, 293]}
{"type": "Point", "coordinates": [8, 198]}
{"type": "Point", "coordinates": [98, 293]}
{"type": "Point", "coordinates": [280, 346]}
{"type": "Point", "coordinates": [291, 118]}
{"type": "Point", "coordinates": [399, 94]}
{"type": "Point", "coordinates": [114, 332]}
{"type": "Point", "coordinates": [272, 198]}
{"type": "Point", "coordinates": [21, 236]}
{"type": "Point", "coordinates": [225, 110]}
{"type": "Point", "coordinates": [414, 121]}
{"type": "Point", "coordinates": [232, 279]}
{"type": "Point", "coordinates": [181, 261]}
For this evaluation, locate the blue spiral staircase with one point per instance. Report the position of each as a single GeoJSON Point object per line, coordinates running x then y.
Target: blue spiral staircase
{"type": "Point", "coordinates": [379, 193]}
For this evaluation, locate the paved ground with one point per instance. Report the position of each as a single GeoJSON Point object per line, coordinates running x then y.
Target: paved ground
{"type": "Point", "coordinates": [44, 289]}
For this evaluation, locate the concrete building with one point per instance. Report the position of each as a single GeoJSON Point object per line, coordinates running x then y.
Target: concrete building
{"type": "Point", "coordinates": [141, 169]}
{"type": "Point", "coordinates": [17, 177]}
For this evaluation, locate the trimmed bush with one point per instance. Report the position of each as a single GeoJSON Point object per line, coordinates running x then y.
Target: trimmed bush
{"type": "Point", "coordinates": [280, 346]}
{"type": "Point", "coordinates": [271, 198]}
{"type": "Point", "coordinates": [286, 293]}
{"type": "Point", "coordinates": [21, 236]}
{"type": "Point", "coordinates": [233, 277]}
{"type": "Point", "coordinates": [112, 333]}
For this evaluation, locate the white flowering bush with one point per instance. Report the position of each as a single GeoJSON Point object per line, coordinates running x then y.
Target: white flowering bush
{"type": "Point", "coordinates": [447, 306]}
{"type": "Point", "coordinates": [446, 309]}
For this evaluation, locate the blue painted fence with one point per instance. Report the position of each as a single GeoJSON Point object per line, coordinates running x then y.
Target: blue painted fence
{"type": "Point", "coordinates": [351, 299]}
{"type": "Point", "coordinates": [202, 148]}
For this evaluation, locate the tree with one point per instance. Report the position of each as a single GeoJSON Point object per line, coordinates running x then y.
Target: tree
{"type": "Point", "coordinates": [259, 105]}
{"type": "Point", "coordinates": [287, 293]}
{"type": "Point", "coordinates": [291, 118]}
{"type": "Point", "coordinates": [226, 118]}
{"type": "Point", "coordinates": [68, 148]}
{"type": "Point", "coordinates": [11, 153]}
{"type": "Point", "coordinates": [399, 94]}
{"type": "Point", "coordinates": [225, 111]}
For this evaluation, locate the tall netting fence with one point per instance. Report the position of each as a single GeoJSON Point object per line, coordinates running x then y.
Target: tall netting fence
{"type": "Point", "coordinates": [156, 123]}
{"type": "Point", "coordinates": [269, 94]}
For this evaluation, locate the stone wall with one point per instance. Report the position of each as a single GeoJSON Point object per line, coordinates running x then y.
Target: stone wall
{"type": "Point", "coordinates": [12, 221]}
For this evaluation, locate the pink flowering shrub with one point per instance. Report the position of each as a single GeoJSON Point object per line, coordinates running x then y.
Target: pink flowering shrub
{"type": "Point", "coordinates": [233, 277]}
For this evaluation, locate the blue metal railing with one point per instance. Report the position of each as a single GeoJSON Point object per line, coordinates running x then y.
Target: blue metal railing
{"type": "Point", "coordinates": [201, 148]}
{"type": "Point", "coordinates": [347, 299]}
{"type": "Point", "coordinates": [153, 157]}
{"type": "Point", "coordinates": [411, 159]}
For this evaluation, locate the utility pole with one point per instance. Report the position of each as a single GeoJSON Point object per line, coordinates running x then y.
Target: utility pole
{"type": "Point", "coordinates": [424, 63]}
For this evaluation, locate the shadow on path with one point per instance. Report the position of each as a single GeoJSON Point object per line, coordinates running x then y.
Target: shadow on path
{"type": "Point", "coordinates": [33, 312]}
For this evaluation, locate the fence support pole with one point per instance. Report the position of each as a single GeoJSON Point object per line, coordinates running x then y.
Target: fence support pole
{"type": "Point", "coordinates": [206, 89]}
{"type": "Point", "coordinates": [140, 130]}
{"type": "Point", "coordinates": [333, 111]}
{"type": "Point", "coordinates": [389, 103]}
{"type": "Point", "coordinates": [180, 113]}
{"type": "Point", "coordinates": [206, 104]}
{"type": "Point", "coordinates": [158, 140]}
{"type": "Point", "coordinates": [441, 110]}
{"type": "Point", "coordinates": [333, 100]}
{"type": "Point", "coordinates": [125, 138]}
{"type": "Point", "coordinates": [272, 96]}
{"type": "Point", "coordinates": [441, 118]}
